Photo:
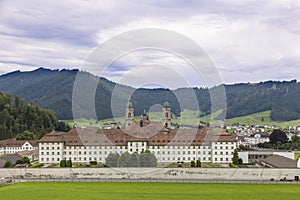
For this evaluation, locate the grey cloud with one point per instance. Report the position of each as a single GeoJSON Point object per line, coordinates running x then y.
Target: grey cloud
{"type": "Point", "coordinates": [62, 33]}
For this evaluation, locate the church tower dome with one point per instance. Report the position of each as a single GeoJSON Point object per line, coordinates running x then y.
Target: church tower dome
{"type": "Point", "coordinates": [129, 114]}
{"type": "Point", "coordinates": [166, 120]}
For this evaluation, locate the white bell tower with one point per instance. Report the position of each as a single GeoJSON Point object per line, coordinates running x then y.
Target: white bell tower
{"type": "Point", "coordinates": [166, 115]}
{"type": "Point", "coordinates": [129, 115]}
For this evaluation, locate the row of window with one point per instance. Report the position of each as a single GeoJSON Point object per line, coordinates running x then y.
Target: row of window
{"type": "Point", "coordinates": [179, 147]}
{"type": "Point", "coordinates": [183, 152]}
{"type": "Point", "coordinates": [48, 148]}
{"type": "Point", "coordinates": [224, 142]}
{"type": "Point", "coordinates": [221, 147]}
{"type": "Point", "coordinates": [18, 148]}
{"type": "Point", "coordinates": [221, 153]}
{"type": "Point", "coordinates": [100, 159]}
{"type": "Point", "coordinates": [143, 144]}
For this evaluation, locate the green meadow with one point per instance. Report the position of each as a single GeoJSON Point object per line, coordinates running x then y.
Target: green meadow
{"type": "Point", "coordinates": [192, 117]}
{"type": "Point", "coordinates": [145, 191]}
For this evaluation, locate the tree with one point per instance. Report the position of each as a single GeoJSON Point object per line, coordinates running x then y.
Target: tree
{"type": "Point", "coordinates": [198, 163]}
{"type": "Point", "coordinates": [123, 161]}
{"type": "Point", "coordinates": [295, 139]}
{"type": "Point", "coordinates": [236, 160]}
{"type": "Point", "coordinates": [63, 163]}
{"type": "Point", "coordinates": [112, 160]}
{"type": "Point", "coordinates": [134, 160]}
{"type": "Point", "coordinates": [19, 162]}
{"type": "Point", "coordinates": [193, 164]}
{"type": "Point", "coordinates": [26, 160]}
{"type": "Point", "coordinates": [62, 126]}
{"type": "Point", "coordinates": [8, 164]}
{"type": "Point", "coordinates": [26, 135]}
{"type": "Point", "coordinates": [147, 159]}
{"type": "Point", "coordinates": [278, 135]}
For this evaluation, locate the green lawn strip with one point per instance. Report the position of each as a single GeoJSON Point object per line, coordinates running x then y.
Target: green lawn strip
{"type": "Point", "coordinates": [146, 191]}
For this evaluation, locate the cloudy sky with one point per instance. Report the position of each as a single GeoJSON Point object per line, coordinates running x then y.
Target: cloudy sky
{"type": "Point", "coordinates": [248, 41]}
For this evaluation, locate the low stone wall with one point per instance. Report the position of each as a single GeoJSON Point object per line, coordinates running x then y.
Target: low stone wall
{"type": "Point", "coordinates": [151, 173]}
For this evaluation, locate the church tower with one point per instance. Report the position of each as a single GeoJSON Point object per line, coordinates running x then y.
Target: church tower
{"type": "Point", "coordinates": [166, 115]}
{"type": "Point", "coordinates": [129, 115]}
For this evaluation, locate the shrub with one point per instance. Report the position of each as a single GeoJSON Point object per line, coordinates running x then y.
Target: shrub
{"type": "Point", "coordinates": [63, 163]}
{"type": "Point", "coordinates": [198, 163]}
{"type": "Point", "coordinates": [69, 163]}
{"type": "Point", "coordinates": [94, 162]}
{"type": "Point", "coordinates": [193, 164]}
{"type": "Point", "coordinates": [8, 164]}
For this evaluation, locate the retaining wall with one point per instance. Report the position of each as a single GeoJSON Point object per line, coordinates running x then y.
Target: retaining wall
{"type": "Point", "coordinates": [264, 174]}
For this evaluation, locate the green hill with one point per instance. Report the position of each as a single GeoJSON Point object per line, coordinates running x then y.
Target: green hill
{"type": "Point", "coordinates": [52, 89]}
{"type": "Point", "coordinates": [17, 116]}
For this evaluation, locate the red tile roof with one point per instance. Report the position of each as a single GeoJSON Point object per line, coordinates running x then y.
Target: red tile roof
{"type": "Point", "coordinates": [17, 143]}
{"type": "Point", "coordinates": [108, 137]}
{"type": "Point", "coordinates": [71, 138]}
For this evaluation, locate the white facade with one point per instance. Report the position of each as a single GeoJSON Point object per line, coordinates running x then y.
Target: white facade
{"type": "Point", "coordinates": [216, 152]}
{"type": "Point", "coordinates": [222, 152]}
{"type": "Point", "coordinates": [51, 152]}
{"type": "Point", "coordinates": [14, 146]}
{"type": "Point", "coordinates": [168, 154]}
{"type": "Point", "coordinates": [167, 144]}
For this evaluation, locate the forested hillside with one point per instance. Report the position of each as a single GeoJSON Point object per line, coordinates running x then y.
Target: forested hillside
{"type": "Point", "coordinates": [52, 89]}
{"type": "Point", "coordinates": [17, 116]}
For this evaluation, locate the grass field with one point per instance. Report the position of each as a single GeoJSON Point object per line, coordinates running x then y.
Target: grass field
{"type": "Point", "coordinates": [147, 191]}
{"type": "Point", "coordinates": [192, 117]}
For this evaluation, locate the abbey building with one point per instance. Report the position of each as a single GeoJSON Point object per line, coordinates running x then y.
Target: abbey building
{"type": "Point", "coordinates": [168, 144]}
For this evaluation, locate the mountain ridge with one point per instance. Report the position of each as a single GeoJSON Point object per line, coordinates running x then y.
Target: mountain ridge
{"type": "Point", "coordinates": [52, 89]}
